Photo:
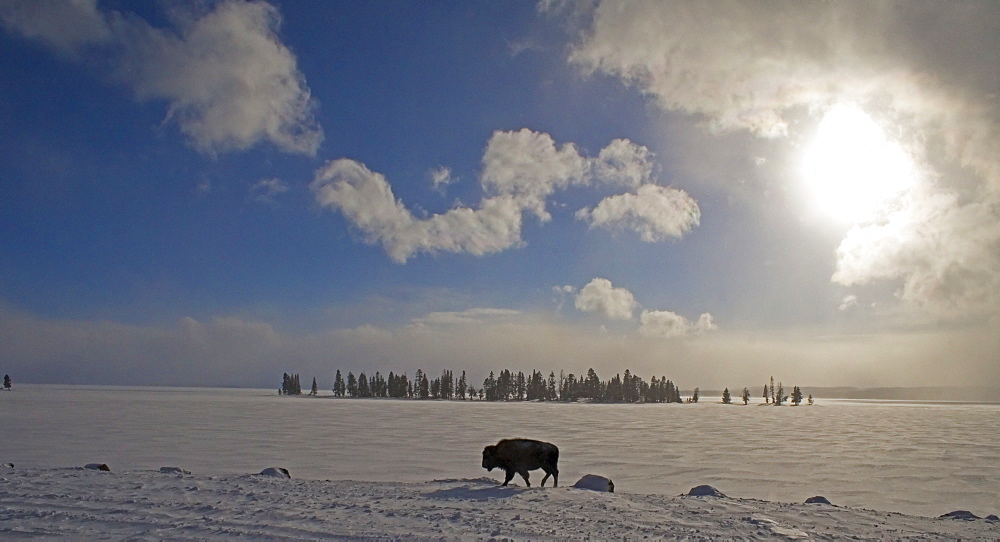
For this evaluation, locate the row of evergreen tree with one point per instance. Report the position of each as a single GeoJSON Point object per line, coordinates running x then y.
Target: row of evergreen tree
{"type": "Point", "coordinates": [508, 386]}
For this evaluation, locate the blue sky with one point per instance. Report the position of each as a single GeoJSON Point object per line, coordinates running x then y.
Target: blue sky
{"type": "Point", "coordinates": [215, 193]}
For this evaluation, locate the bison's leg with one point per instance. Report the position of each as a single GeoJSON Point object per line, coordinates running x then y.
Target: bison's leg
{"type": "Point", "coordinates": [524, 474]}
{"type": "Point", "coordinates": [509, 475]}
{"type": "Point", "coordinates": [555, 477]}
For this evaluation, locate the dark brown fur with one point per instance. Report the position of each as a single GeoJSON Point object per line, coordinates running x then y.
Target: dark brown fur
{"type": "Point", "coordinates": [522, 455]}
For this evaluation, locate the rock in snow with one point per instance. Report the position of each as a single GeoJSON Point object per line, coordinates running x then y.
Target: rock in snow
{"type": "Point", "coordinates": [173, 470]}
{"type": "Point", "coordinates": [818, 500]}
{"type": "Point", "coordinates": [705, 491]}
{"type": "Point", "coordinates": [98, 466]}
{"type": "Point", "coordinates": [276, 472]}
{"type": "Point", "coordinates": [594, 482]}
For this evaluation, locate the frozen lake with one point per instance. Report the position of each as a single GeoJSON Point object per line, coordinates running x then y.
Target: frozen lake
{"type": "Point", "coordinates": [922, 459]}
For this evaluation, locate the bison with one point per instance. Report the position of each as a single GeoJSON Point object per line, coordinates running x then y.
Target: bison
{"type": "Point", "coordinates": [521, 455]}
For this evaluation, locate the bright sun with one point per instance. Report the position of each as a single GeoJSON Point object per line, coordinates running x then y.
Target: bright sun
{"type": "Point", "coordinates": [852, 169]}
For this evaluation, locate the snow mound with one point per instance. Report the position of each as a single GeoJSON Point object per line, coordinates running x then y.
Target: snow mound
{"type": "Point", "coordinates": [594, 482]}
{"type": "Point", "coordinates": [98, 466]}
{"type": "Point", "coordinates": [174, 470]}
{"type": "Point", "coordinates": [818, 499]}
{"type": "Point", "coordinates": [705, 491]}
{"type": "Point", "coordinates": [276, 472]}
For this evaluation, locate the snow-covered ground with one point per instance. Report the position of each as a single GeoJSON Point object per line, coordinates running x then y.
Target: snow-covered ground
{"type": "Point", "coordinates": [412, 468]}
{"type": "Point", "coordinates": [83, 504]}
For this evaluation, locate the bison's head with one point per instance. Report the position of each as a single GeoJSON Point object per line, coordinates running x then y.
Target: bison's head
{"type": "Point", "coordinates": [490, 458]}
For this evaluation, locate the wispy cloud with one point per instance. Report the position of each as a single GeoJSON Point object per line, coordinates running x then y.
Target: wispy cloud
{"type": "Point", "coordinates": [760, 68]}
{"type": "Point", "coordinates": [266, 190]}
{"type": "Point", "coordinates": [666, 324]}
{"type": "Point", "coordinates": [234, 351]}
{"type": "Point", "coordinates": [229, 81]}
{"type": "Point", "coordinates": [848, 303]}
{"type": "Point", "coordinates": [441, 177]}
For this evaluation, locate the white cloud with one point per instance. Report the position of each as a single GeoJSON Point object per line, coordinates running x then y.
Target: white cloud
{"type": "Point", "coordinates": [599, 296]}
{"type": "Point", "coordinates": [654, 212]}
{"type": "Point", "coordinates": [759, 68]}
{"type": "Point", "coordinates": [666, 324]}
{"type": "Point", "coordinates": [521, 170]}
{"type": "Point", "coordinates": [367, 202]}
{"type": "Point", "coordinates": [529, 167]}
{"type": "Point", "coordinates": [266, 190]}
{"type": "Point", "coordinates": [624, 163]}
{"type": "Point", "coordinates": [229, 81]}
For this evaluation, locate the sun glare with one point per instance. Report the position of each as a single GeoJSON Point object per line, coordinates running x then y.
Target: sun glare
{"type": "Point", "coordinates": [852, 169]}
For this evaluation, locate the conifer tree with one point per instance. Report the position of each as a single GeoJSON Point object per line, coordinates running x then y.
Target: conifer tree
{"type": "Point", "coordinates": [364, 387]}
{"type": "Point", "coordinates": [726, 398]}
{"type": "Point", "coordinates": [746, 396]}
{"type": "Point", "coordinates": [796, 395]}
{"type": "Point", "coordinates": [314, 391]}
{"type": "Point", "coordinates": [810, 398]}
{"type": "Point", "coordinates": [417, 379]}
{"type": "Point", "coordinates": [425, 390]}
{"type": "Point", "coordinates": [6, 382]}
{"type": "Point", "coordinates": [352, 384]}
{"type": "Point", "coordinates": [338, 385]}
{"type": "Point", "coordinates": [694, 397]}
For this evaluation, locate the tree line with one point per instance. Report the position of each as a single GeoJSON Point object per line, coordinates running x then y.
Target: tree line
{"type": "Point", "coordinates": [510, 386]}
{"type": "Point", "coordinates": [506, 385]}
